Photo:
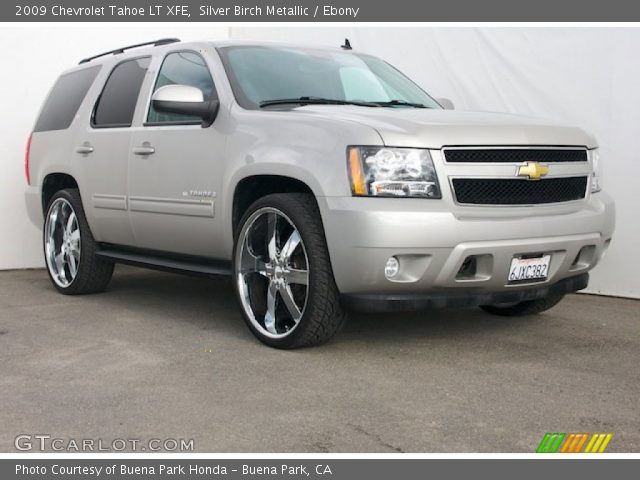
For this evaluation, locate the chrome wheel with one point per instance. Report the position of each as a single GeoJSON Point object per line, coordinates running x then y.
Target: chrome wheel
{"type": "Point", "coordinates": [62, 242]}
{"type": "Point", "coordinates": [272, 272]}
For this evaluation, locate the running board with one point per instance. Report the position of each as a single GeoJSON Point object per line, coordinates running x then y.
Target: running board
{"type": "Point", "coordinates": [159, 261]}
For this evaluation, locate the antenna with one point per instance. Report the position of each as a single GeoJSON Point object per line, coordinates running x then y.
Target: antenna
{"type": "Point", "coordinates": [347, 45]}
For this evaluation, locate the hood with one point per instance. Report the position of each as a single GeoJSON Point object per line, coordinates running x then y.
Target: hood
{"type": "Point", "coordinates": [426, 128]}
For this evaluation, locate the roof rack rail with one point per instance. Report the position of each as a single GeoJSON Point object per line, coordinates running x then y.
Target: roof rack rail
{"type": "Point", "coordinates": [155, 43]}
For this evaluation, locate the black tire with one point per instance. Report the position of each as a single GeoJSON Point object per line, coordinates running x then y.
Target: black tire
{"type": "Point", "coordinates": [93, 273]}
{"type": "Point", "coordinates": [529, 307]}
{"type": "Point", "coordinates": [322, 316]}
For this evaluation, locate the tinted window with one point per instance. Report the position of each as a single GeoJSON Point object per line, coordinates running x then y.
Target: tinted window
{"type": "Point", "coordinates": [64, 99]}
{"type": "Point", "coordinates": [117, 102]}
{"type": "Point", "coordinates": [182, 68]}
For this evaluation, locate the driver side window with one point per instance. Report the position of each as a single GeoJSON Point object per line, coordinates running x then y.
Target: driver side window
{"type": "Point", "coordinates": [182, 68]}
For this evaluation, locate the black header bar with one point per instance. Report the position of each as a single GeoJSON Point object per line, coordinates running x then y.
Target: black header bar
{"type": "Point", "coordinates": [319, 11]}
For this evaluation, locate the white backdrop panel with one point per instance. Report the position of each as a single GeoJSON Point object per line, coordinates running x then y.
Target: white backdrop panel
{"type": "Point", "coordinates": [589, 77]}
{"type": "Point", "coordinates": [583, 76]}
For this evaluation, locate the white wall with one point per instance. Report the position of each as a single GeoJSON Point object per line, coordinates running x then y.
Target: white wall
{"type": "Point", "coordinates": [32, 58]}
{"type": "Point", "coordinates": [587, 77]}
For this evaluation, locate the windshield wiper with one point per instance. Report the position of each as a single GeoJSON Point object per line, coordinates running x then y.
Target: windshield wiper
{"type": "Point", "coordinates": [316, 101]}
{"type": "Point", "coordinates": [401, 103]}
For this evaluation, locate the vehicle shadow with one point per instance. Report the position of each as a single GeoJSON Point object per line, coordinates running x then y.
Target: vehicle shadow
{"type": "Point", "coordinates": [211, 305]}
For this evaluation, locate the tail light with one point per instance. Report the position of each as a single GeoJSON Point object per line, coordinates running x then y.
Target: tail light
{"type": "Point", "coordinates": [27, 153]}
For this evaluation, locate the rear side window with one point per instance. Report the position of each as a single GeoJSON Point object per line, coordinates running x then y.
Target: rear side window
{"type": "Point", "coordinates": [182, 68]}
{"type": "Point", "coordinates": [64, 99]}
{"type": "Point", "coordinates": [117, 102]}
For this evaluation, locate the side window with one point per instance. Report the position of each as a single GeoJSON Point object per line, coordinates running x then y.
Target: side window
{"type": "Point", "coordinates": [117, 102]}
{"type": "Point", "coordinates": [182, 68]}
{"type": "Point", "coordinates": [64, 99]}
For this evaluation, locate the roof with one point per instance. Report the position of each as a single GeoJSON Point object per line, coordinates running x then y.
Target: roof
{"type": "Point", "coordinates": [160, 45]}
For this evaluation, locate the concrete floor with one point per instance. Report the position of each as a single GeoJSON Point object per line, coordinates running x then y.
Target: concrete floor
{"type": "Point", "coordinates": [167, 356]}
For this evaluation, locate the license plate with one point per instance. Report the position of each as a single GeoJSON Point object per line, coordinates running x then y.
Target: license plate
{"type": "Point", "coordinates": [524, 269]}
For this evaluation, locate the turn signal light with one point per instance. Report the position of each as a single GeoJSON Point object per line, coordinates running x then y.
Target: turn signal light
{"type": "Point", "coordinates": [356, 174]}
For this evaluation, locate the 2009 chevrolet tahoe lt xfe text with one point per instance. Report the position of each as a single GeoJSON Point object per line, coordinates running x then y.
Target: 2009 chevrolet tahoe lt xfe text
{"type": "Point", "coordinates": [319, 179]}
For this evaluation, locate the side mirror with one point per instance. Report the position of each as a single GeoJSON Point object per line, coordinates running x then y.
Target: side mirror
{"type": "Point", "coordinates": [445, 103]}
{"type": "Point", "coordinates": [185, 100]}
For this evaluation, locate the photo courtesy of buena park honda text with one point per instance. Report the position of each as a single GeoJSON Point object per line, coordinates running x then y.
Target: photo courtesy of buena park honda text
{"type": "Point", "coordinates": [341, 239]}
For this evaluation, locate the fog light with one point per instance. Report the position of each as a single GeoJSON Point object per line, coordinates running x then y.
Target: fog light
{"type": "Point", "coordinates": [392, 267]}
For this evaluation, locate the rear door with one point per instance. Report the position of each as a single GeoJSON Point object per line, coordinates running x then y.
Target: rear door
{"type": "Point", "coordinates": [175, 168]}
{"type": "Point", "coordinates": [102, 152]}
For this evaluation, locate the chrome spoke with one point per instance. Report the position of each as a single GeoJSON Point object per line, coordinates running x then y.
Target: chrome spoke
{"type": "Point", "coordinates": [71, 261]}
{"type": "Point", "coordinates": [270, 315]}
{"type": "Point", "coordinates": [260, 267]}
{"type": "Point", "coordinates": [53, 221]}
{"type": "Point", "coordinates": [75, 236]}
{"type": "Point", "coordinates": [290, 303]}
{"type": "Point", "coordinates": [300, 277]}
{"type": "Point", "coordinates": [251, 263]}
{"type": "Point", "coordinates": [272, 224]}
{"type": "Point", "coordinates": [290, 245]}
{"type": "Point", "coordinates": [60, 262]}
{"type": "Point", "coordinates": [70, 221]}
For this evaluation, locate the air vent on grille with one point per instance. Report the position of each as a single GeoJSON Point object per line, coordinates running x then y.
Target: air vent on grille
{"type": "Point", "coordinates": [514, 191]}
{"type": "Point", "coordinates": [514, 155]}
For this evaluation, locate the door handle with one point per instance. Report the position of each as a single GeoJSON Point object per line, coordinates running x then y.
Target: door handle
{"type": "Point", "coordinates": [84, 149]}
{"type": "Point", "coordinates": [144, 150]}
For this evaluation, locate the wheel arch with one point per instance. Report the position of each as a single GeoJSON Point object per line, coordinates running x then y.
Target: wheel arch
{"type": "Point", "coordinates": [253, 187]}
{"type": "Point", "coordinates": [53, 183]}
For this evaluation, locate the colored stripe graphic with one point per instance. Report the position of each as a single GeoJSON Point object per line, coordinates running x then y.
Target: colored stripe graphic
{"type": "Point", "coordinates": [573, 442]}
{"type": "Point", "coordinates": [598, 443]}
{"type": "Point", "coordinates": [568, 443]}
{"type": "Point", "coordinates": [581, 442]}
{"type": "Point", "coordinates": [550, 442]}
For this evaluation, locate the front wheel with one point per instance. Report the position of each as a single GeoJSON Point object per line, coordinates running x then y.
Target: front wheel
{"type": "Point", "coordinates": [529, 307]}
{"type": "Point", "coordinates": [282, 273]}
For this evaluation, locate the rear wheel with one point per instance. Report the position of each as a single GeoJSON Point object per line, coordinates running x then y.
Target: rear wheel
{"type": "Point", "coordinates": [69, 248]}
{"type": "Point", "coordinates": [529, 307]}
{"type": "Point", "coordinates": [282, 273]}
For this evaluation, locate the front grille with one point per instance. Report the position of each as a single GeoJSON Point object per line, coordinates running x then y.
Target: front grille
{"type": "Point", "coordinates": [514, 191]}
{"type": "Point", "coordinates": [514, 155]}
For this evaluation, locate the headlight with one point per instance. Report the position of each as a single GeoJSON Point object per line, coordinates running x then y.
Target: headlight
{"type": "Point", "coordinates": [392, 172]}
{"type": "Point", "coordinates": [596, 178]}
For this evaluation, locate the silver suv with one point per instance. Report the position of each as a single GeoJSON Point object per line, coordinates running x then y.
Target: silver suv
{"type": "Point", "coordinates": [318, 179]}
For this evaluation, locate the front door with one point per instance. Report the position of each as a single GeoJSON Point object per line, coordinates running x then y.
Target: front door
{"type": "Point", "coordinates": [175, 169]}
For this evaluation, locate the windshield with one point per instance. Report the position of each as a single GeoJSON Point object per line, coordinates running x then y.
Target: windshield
{"type": "Point", "coordinates": [262, 74]}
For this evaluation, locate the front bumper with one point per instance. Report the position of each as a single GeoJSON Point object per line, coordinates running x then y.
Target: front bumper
{"type": "Point", "coordinates": [362, 233]}
{"type": "Point", "coordinates": [458, 297]}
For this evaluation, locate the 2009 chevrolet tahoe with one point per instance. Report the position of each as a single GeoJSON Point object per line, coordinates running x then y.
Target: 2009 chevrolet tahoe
{"type": "Point", "coordinates": [319, 179]}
